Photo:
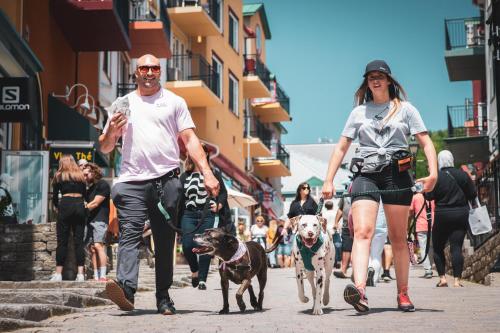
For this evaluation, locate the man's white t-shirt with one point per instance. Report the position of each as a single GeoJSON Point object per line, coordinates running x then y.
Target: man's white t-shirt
{"type": "Point", "coordinates": [149, 139]}
{"type": "Point", "coordinates": [258, 232]}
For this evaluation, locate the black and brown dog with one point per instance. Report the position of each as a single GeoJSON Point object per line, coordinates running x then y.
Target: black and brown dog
{"type": "Point", "coordinates": [240, 263]}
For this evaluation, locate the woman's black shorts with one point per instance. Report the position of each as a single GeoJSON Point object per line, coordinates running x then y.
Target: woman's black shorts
{"type": "Point", "coordinates": [387, 179]}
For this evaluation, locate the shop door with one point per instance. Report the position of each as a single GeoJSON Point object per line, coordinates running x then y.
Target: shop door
{"type": "Point", "coordinates": [29, 184]}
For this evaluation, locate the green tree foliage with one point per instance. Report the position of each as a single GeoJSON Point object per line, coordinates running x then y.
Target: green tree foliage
{"type": "Point", "coordinates": [437, 138]}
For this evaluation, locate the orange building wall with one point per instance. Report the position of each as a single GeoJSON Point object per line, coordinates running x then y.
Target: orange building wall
{"type": "Point", "coordinates": [229, 124]}
{"type": "Point", "coordinates": [56, 55]}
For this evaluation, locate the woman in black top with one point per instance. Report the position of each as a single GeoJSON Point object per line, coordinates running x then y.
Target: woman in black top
{"type": "Point", "coordinates": [303, 204]}
{"type": "Point", "coordinates": [98, 196]}
{"type": "Point", "coordinates": [70, 182]}
{"type": "Point", "coordinates": [453, 190]}
{"type": "Point", "coordinates": [191, 208]}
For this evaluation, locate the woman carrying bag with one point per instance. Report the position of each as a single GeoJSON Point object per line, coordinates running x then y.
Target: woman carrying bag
{"type": "Point", "coordinates": [451, 194]}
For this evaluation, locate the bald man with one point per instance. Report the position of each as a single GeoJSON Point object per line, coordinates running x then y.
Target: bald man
{"type": "Point", "coordinates": [149, 173]}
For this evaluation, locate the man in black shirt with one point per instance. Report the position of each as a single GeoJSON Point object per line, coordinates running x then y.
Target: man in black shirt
{"type": "Point", "coordinates": [98, 195]}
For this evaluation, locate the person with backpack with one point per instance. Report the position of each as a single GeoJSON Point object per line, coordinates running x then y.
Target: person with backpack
{"type": "Point", "coordinates": [452, 193]}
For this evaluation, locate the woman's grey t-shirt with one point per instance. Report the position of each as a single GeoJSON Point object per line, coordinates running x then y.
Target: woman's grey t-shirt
{"type": "Point", "coordinates": [376, 142]}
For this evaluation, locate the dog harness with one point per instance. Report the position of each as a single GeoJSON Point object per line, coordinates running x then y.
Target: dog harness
{"type": "Point", "coordinates": [307, 253]}
{"type": "Point", "coordinates": [240, 252]}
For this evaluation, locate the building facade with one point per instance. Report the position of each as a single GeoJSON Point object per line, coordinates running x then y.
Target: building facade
{"type": "Point", "coordinates": [74, 58]}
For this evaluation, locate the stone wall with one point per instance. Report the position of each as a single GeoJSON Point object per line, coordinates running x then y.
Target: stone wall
{"type": "Point", "coordinates": [28, 252]}
{"type": "Point", "coordinates": [478, 264]}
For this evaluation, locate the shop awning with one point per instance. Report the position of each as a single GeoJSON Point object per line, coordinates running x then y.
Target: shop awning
{"type": "Point", "coordinates": [16, 57]}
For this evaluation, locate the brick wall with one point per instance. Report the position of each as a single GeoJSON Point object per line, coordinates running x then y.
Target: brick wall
{"type": "Point", "coordinates": [477, 264]}
{"type": "Point", "coordinates": [28, 252]}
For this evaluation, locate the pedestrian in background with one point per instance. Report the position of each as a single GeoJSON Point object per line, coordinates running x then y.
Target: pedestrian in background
{"type": "Point", "coordinates": [376, 248]}
{"type": "Point", "coordinates": [151, 121]}
{"type": "Point", "coordinates": [242, 232]}
{"type": "Point", "coordinates": [422, 228]}
{"type": "Point", "coordinates": [7, 211]}
{"type": "Point", "coordinates": [284, 250]}
{"type": "Point", "coordinates": [343, 210]}
{"type": "Point", "coordinates": [270, 236]}
{"type": "Point", "coordinates": [192, 209]}
{"type": "Point", "coordinates": [71, 214]}
{"type": "Point", "coordinates": [452, 193]}
{"type": "Point", "coordinates": [329, 215]}
{"type": "Point", "coordinates": [97, 198]}
{"type": "Point", "coordinates": [259, 231]}
{"type": "Point", "coordinates": [382, 121]}
{"type": "Point", "coordinates": [303, 204]}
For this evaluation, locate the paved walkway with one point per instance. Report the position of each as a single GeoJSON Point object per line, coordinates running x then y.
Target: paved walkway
{"type": "Point", "coordinates": [474, 308]}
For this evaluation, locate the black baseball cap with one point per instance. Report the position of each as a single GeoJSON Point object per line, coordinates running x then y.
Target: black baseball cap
{"type": "Point", "coordinates": [379, 66]}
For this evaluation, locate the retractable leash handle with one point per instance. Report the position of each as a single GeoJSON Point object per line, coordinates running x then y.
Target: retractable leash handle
{"type": "Point", "coordinates": [320, 206]}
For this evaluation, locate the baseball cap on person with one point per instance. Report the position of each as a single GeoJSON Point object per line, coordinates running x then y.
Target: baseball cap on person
{"type": "Point", "coordinates": [379, 66]}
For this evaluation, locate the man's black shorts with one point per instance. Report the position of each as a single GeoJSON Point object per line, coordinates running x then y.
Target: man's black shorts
{"type": "Point", "coordinates": [387, 179]}
{"type": "Point", "coordinates": [346, 240]}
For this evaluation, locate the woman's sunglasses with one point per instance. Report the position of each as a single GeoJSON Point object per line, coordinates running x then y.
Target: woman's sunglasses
{"type": "Point", "coordinates": [145, 69]}
{"type": "Point", "coordinates": [305, 188]}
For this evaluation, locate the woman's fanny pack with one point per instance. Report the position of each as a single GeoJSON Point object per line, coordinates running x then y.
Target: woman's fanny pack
{"type": "Point", "coordinates": [402, 160]}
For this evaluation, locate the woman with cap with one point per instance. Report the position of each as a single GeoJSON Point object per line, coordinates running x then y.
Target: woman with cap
{"type": "Point", "coordinates": [453, 190]}
{"type": "Point", "coordinates": [382, 121]}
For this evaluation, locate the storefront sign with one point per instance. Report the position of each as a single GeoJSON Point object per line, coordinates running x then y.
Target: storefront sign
{"type": "Point", "coordinates": [17, 99]}
{"type": "Point", "coordinates": [78, 154]}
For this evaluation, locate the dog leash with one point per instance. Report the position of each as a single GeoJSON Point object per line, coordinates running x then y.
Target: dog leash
{"type": "Point", "coordinates": [159, 188]}
{"type": "Point", "coordinates": [412, 229]}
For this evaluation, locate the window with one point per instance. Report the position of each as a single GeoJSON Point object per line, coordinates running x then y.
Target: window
{"type": "Point", "coordinates": [216, 9]}
{"type": "Point", "coordinates": [218, 69]}
{"type": "Point", "coordinates": [106, 64]}
{"type": "Point", "coordinates": [258, 40]}
{"type": "Point", "coordinates": [233, 31]}
{"type": "Point", "coordinates": [233, 95]}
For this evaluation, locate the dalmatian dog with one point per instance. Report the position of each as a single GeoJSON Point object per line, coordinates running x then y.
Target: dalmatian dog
{"type": "Point", "coordinates": [314, 254]}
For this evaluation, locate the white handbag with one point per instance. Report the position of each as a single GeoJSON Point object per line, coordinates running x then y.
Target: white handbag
{"type": "Point", "coordinates": [479, 219]}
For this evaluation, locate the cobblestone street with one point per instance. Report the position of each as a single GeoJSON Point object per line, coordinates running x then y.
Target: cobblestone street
{"type": "Point", "coordinates": [473, 308]}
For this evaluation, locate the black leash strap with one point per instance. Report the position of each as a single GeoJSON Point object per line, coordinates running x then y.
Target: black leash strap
{"type": "Point", "coordinates": [320, 206]}
{"type": "Point", "coordinates": [413, 227]}
{"type": "Point", "coordinates": [170, 220]}
{"type": "Point", "coordinates": [415, 188]}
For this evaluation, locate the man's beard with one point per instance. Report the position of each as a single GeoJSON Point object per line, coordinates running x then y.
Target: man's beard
{"type": "Point", "coordinates": [150, 83]}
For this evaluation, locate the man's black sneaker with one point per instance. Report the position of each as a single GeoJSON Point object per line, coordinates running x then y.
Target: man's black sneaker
{"type": "Point", "coordinates": [195, 281]}
{"type": "Point", "coordinates": [202, 286]}
{"type": "Point", "coordinates": [356, 297]}
{"type": "Point", "coordinates": [166, 307]}
{"type": "Point", "coordinates": [122, 296]}
{"type": "Point", "coordinates": [386, 277]}
{"type": "Point", "coordinates": [370, 279]}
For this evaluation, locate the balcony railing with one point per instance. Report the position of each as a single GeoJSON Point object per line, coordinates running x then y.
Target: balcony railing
{"type": "Point", "coordinates": [258, 130]}
{"type": "Point", "coordinates": [212, 7]}
{"type": "Point", "coordinates": [150, 10]}
{"type": "Point", "coordinates": [124, 88]}
{"type": "Point", "coordinates": [188, 67]}
{"type": "Point", "coordinates": [254, 66]}
{"type": "Point", "coordinates": [282, 98]}
{"type": "Point", "coordinates": [467, 120]}
{"type": "Point", "coordinates": [283, 155]}
{"type": "Point", "coordinates": [464, 33]}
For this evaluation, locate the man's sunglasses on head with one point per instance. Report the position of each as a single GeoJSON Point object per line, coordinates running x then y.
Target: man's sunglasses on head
{"type": "Point", "coordinates": [145, 69]}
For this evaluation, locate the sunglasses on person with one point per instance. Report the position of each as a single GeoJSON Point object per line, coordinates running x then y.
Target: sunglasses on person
{"type": "Point", "coordinates": [305, 188]}
{"type": "Point", "coordinates": [145, 69]}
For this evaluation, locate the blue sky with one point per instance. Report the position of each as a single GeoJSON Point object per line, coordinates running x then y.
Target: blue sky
{"type": "Point", "coordinates": [319, 49]}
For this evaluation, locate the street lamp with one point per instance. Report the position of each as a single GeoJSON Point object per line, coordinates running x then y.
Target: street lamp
{"type": "Point", "coordinates": [413, 145]}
